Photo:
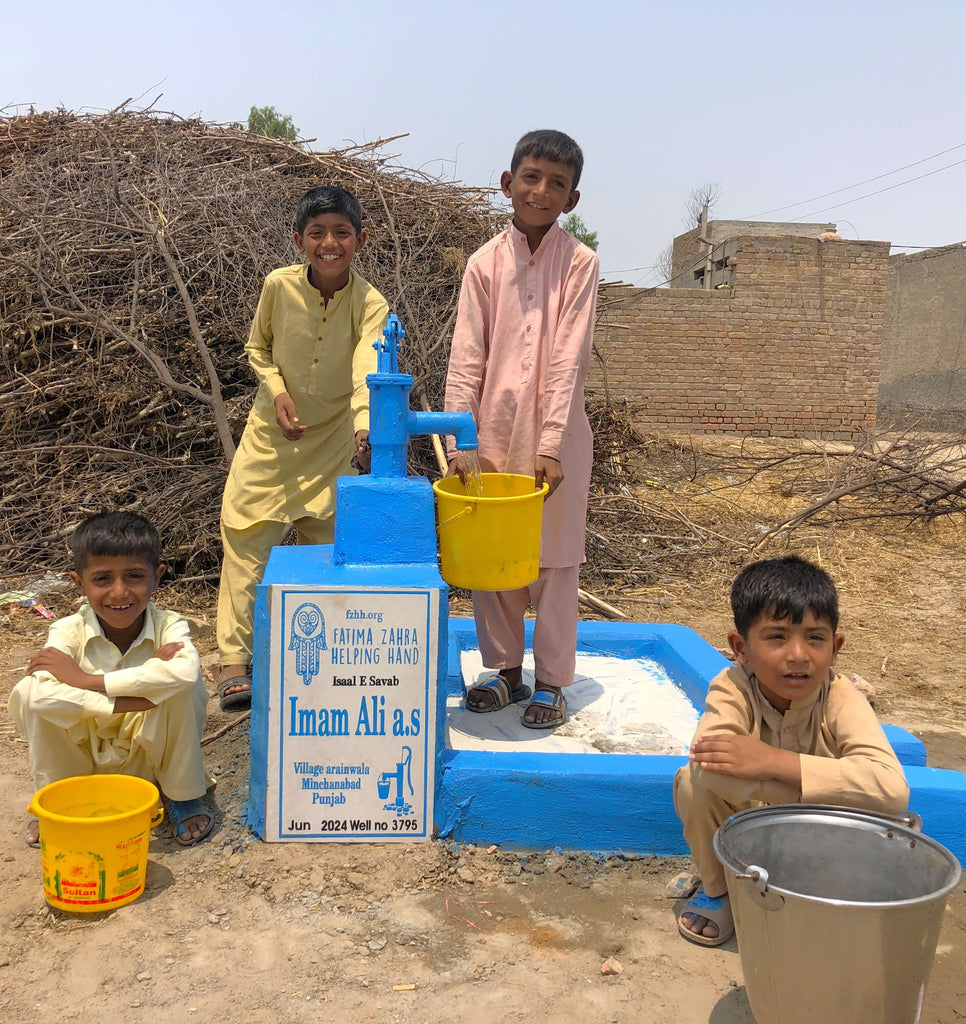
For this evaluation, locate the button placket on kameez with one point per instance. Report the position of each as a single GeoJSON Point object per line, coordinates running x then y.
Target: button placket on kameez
{"type": "Point", "coordinates": [529, 317]}
{"type": "Point", "coordinates": [318, 350]}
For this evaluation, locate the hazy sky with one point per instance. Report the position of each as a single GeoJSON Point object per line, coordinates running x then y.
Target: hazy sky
{"type": "Point", "coordinates": [778, 102]}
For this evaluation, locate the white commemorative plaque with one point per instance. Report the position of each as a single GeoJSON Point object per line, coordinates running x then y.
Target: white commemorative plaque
{"type": "Point", "coordinates": [352, 714]}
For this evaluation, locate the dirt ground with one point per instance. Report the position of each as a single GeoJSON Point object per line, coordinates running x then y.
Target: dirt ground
{"type": "Point", "coordinates": [237, 930]}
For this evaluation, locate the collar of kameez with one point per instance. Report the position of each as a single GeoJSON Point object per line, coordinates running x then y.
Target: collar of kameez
{"type": "Point", "coordinates": [92, 626]}
{"type": "Point", "coordinates": [520, 239]}
{"type": "Point", "coordinates": [317, 295]}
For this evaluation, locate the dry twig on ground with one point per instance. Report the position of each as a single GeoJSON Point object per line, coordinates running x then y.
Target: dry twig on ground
{"type": "Point", "coordinates": [908, 476]}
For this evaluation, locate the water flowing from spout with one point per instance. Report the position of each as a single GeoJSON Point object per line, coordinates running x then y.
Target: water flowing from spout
{"type": "Point", "coordinates": [471, 473]}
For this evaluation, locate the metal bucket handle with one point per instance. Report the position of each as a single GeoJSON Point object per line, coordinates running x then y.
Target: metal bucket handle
{"type": "Point", "coordinates": [909, 819]}
{"type": "Point", "coordinates": [758, 876]}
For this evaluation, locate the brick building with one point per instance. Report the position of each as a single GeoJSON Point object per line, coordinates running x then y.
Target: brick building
{"type": "Point", "coordinates": [788, 343]}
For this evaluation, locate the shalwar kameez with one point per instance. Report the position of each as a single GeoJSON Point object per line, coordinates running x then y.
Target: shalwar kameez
{"type": "Point", "coordinates": [319, 353]}
{"type": "Point", "coordinates": [846, 760]}
{"type": "Point", "coordinates": [77, 732]}
{"type": "Point", "coordinates": [521, 351]}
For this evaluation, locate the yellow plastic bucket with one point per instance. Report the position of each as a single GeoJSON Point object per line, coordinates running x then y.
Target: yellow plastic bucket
{"type": "Point", "coordinates": [490, 542]}
{"type": "Point", "coordinates": [94, 835]}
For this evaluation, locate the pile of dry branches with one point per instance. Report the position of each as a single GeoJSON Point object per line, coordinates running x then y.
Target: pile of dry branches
{"type": "Point", "coordinates": [132, 251]}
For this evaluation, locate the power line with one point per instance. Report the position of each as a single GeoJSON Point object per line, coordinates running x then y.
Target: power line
{"type": "Point", "coordinates": [879, 191]}
{"type": "Point", "coordinates": [858, 184]}
{"type": "Point", "coordinates": [945, 245]}
{"type": "Point", "coordinates": [631, 270]}
{"type": "Point", "coordinates": [868, 195]}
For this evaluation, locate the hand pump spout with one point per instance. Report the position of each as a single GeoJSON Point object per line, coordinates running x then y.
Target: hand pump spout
{"type": "Point", "coordinates": [391, 423]}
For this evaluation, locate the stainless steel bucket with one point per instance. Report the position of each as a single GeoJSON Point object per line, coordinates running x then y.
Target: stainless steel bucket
{"type": "Point", "coordinates": [837, 912]}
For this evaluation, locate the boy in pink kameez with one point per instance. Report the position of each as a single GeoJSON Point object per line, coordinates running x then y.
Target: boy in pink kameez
{"type": "Point", "coordinates": [521, 349]}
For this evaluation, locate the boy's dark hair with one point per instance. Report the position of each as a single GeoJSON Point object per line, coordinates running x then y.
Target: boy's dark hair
{"type": "Point", "coordinates": [546, 144]}
{"type": "Point", "coordinates": [786, 588]}
{"type": "Point", "coordinates": [109, 534]}
{"type": "Point", "coordinates": [327, 199]}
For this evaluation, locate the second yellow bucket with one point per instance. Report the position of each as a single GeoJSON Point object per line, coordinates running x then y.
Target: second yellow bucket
{"type": "Point", "coordinates": [491, 542]}
{"type": "Point", "coordinates": [94, 835]}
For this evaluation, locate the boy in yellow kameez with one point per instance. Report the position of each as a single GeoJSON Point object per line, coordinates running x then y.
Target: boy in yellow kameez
{"type": "Point", "coordinates": [311, 347]}
{"type": "Point", "coordinates": [118, 687]}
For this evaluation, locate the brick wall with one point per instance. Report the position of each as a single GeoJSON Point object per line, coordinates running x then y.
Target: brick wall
{"type": "Point", "coordinates": [791, 349]}
{"type": "Point", "coordinates": [924, 340]}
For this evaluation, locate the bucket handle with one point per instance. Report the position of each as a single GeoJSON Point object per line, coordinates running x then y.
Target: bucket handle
{"type": "Point", "coordinates": [768, 898]}
{"type": "Point", "coordinates": [757, 875]}
{"type": "Point", "coordinates": [464, 511]}
{"type": "Point", "coordinates": [911, 820]}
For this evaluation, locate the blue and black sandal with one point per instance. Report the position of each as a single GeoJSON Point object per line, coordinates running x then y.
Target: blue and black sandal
{"type": "Point", "coordinates": [179, 811]}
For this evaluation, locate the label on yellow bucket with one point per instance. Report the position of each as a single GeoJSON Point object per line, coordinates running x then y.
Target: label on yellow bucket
{"type": "Point", "coordinates": [75, 878]}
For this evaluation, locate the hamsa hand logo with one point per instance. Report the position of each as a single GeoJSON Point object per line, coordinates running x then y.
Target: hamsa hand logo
{"type": "Point", "coordinates": [307, 640]}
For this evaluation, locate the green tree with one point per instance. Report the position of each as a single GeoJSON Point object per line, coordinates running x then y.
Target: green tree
{"type": "Point", "coordinates": [576, 226]}
{"type": "Point", "coordinates": [269, 122]}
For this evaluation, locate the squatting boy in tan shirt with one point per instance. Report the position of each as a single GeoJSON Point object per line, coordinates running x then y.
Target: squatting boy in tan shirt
{"type": "Point", "coordinates": [779, 727]}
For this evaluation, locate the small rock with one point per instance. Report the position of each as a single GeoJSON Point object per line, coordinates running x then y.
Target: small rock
{"type": "Point", "coordinates": [466, 874]}
{"type": "Point", "coordinates": [375, 945]}
{"type": "Point", "coordinates": [611, 966]}
{"type": "Point", "coordinates": [864, 687]}
{"type": "Point", "coordinates": [682, 886]}
{"type": "Point", "coordinates": [143, 976]}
